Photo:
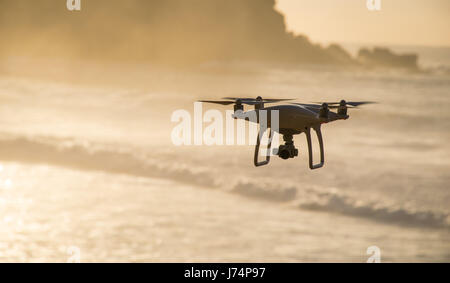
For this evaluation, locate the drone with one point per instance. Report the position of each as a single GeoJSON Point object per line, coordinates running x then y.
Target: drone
{"type": "Point", "coordinates": [294, 119]}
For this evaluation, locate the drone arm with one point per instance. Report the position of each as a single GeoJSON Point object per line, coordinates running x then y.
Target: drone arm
{"type": "Point", "coordinates": [258, 143]}
{"type": "Point", "coordinates": [319, 137]}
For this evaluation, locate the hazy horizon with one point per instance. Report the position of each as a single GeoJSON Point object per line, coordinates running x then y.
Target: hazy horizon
{"type": "Point", "coordinates": [402, 22]}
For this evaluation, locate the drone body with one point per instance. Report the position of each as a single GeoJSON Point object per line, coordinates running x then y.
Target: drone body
{"type": "Point", "coordinates": [294, 119]}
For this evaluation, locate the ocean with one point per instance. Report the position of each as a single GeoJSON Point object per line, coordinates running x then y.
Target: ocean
{"type": "Point", "coordinates": [87, 165]}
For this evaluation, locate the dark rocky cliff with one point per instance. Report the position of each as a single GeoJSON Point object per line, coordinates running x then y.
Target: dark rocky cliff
{"type": "Point", "coordinates": [163, 31]}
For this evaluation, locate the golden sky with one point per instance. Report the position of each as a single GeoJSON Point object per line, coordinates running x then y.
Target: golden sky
{"type": "Point", "coordinates": [399, 22]}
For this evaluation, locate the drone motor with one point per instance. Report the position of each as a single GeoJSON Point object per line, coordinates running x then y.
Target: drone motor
{"type": "Point", "coordinates": [324, 111]}
{"type": "Point", "coordinates": [238, 106]}
{"type": "Point", "coordinates": [342, 109]}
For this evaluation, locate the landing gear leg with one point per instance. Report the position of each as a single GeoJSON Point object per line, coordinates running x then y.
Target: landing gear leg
{"type": "Point", "coordinates": [313, 166]}
{"type": "Point", "coordinates": [269, 145]}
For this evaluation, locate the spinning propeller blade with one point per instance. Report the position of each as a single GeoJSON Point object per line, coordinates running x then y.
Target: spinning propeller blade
{"type": "Point", "coordinates": [221, 102]}
{"type": "Point", "coordinates": [256, 100]}
{"type": "Point", "coordinates": [217, 102]}
{"type": "Point", "coordinates": [348, 103]}
{"type": "Point", "coordinates": [337, 106]}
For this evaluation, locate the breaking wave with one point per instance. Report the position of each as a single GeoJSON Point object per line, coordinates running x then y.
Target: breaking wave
{"type": "Point", "coordinates": [345, 205]}
{"type": "Point", "coordinates": [331, 201]}
{"type": "Point", "coordinates": [67, 153]}
{"type": "Point", "coordinates": [98, 158]}
{"type": "Point", "coordinates": [265, 191]}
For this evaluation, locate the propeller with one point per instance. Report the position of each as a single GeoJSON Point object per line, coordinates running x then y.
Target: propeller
{"type": "Point", "coordinates": [342, 107]}
{"type": "Point", "coordinates": [240, 101]}
{"type": "Point", "coordinates": [218, 102]}
{"type": "Point", "coordinates": [353, 104]}
{"type": "Point", "coordinates": [334, 105]}
{"type": "Point", "coordinates": [259, 99]}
